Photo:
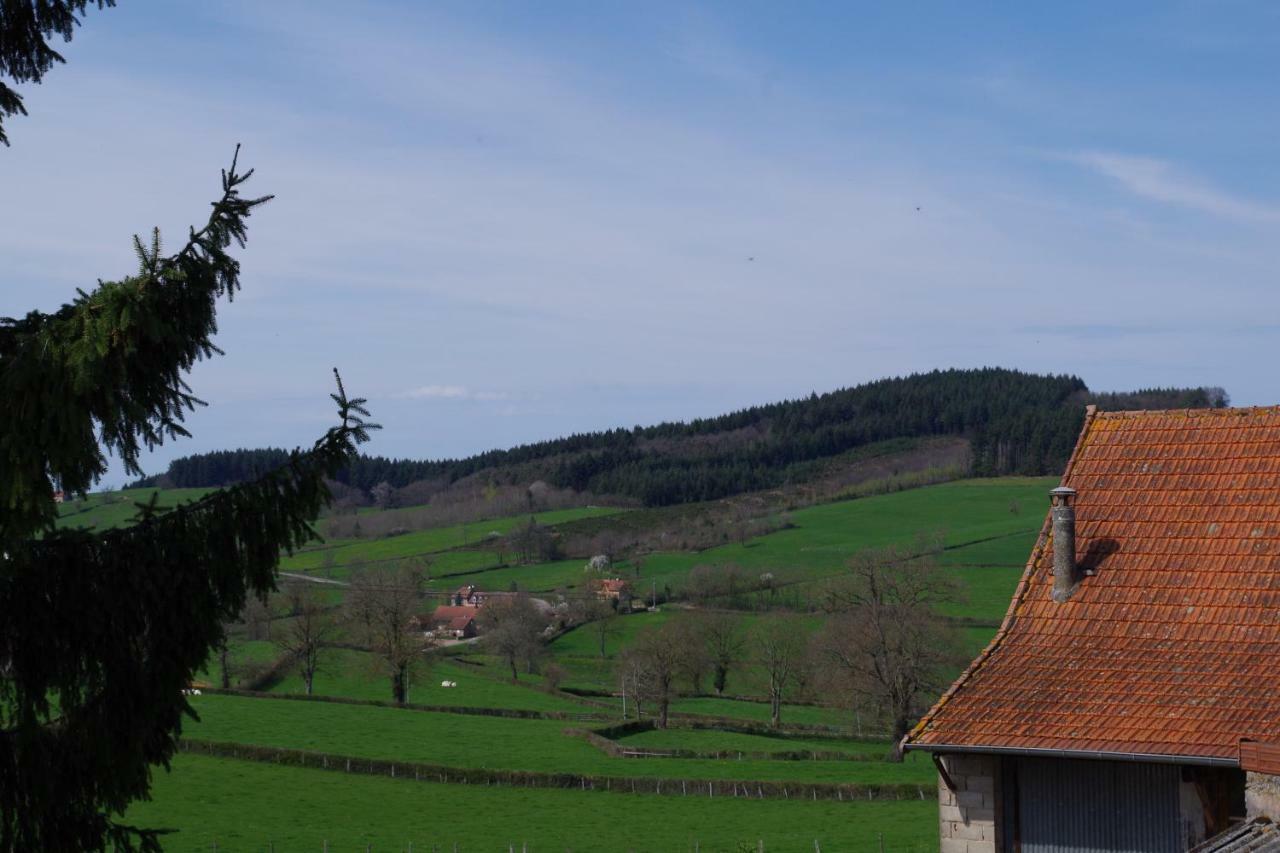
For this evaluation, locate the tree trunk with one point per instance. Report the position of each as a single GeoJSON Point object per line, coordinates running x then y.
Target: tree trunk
{"type": "Point", "coordinates": [722, 676]}
{"type": "Point", "coordinates": [399, 686]}
{"type": "Point", "coordinates": [515, 674]}
{"type": "Point", "coordinates": [308, 676]}
{"type": "Point", "coordinates": [663, 707]}
{"type": "Point", "coordinates": [226, 668]}
{"type": "Point", "coordinates": [901, 725]}
{"type": "Point", "coordinates": [775, 710]}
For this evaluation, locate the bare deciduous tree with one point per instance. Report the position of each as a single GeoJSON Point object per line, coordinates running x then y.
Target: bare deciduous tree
{"type": "Point", "coordinates": [596, 615]}
{"type": "Point", "coordinates": [725, 645]}
{"type": "Point", "coordinates": [224, 664]}
{"type": "Point", "coordinates": [886, 645]}
{"type": "Point", "coordinates": [781, 652]}
{"type": "Point", "coordinates": [552, 675]}
{"type": "Point", "coordinates": [381, 604]}
{"type": "Point", "coordinates": [310, 631]}
{"type": "Point", "coordinates": [383, 494]}
{"type": "Point", "coordinates": [652, 663]}
{"type": "Point", "coordinates": [512, 626]}
{"type": "Point", "coordinates": [257, 617]}
{"type": "Point", "coordinates": [695, 660]}
{"type": "Point", "coordinates": [633, 679]}
{"type": "Point", "coordinates": [533, 542]}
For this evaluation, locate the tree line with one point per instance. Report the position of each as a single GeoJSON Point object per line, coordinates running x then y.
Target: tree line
{"type": "Point", "coordinates": [882, 650]}
{"type": "Point", "coordinates": [1016, 422]}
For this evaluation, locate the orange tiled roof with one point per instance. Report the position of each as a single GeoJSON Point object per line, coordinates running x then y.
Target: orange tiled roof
{"type": "Point", "coordinates": [445, 613]}
{"type": "Point", "coordinates": [1172, 647]}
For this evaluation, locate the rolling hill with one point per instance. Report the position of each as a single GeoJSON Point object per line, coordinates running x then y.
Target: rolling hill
{"type": "Point", "coordinates": [985, 422]}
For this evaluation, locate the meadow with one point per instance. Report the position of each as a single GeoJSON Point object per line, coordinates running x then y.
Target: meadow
{"type": "Point", "coordinates": [242, 805]}
{"type": "Point", "coordinates": [465, 740]}
{"type": "Point", "coordinates": [987, 528]}
{"type": "Point", "coordinates": [104, 510]}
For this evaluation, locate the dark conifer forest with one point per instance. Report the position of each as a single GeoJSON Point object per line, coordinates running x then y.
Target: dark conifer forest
{"type": "Point", "coordinates": [1016, 423]}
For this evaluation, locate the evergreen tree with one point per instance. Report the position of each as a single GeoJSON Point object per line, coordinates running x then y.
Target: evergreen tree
{"type": "Point", "coordinates": [103, 631]}
{"type": "Point", "coordinates": [25, 54]}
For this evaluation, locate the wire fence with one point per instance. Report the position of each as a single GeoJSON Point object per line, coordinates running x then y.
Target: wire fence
{"type": "Point", "coordinates": [672, 787]}
{"type": "Point", "coordinates": [872, 844]}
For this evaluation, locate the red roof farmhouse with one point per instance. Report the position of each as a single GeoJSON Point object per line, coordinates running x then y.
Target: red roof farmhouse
{"type": "Point", "coordinates": [1131, 698]}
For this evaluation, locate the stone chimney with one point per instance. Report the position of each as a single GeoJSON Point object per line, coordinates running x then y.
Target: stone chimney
{"type": "Point", "coordinates": [1065, 571]}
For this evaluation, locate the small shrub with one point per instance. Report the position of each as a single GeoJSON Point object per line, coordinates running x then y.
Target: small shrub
{"type": "Point", "coordinates": [552, 676]}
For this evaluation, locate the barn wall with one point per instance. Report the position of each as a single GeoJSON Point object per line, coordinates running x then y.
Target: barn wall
{"type": "Point", "coordinates": [967, 816]}
{"type": "Point", "coordinates": [1262, 795]}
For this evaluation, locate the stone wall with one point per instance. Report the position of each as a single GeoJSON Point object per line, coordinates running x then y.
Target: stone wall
{"type": "Point", "coordinates": [1262, 795]}
{"type": "Point", "coordinates": [967, 816]}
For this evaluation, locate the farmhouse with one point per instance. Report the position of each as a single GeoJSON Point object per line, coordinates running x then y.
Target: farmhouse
{"type": "Point", "coordinates": [451, 621]}
{"type": "Point", "coordinates": [1131, 698]}
{"type": "Point", "coordinates": [468, 596]}
{"type": "Point", "coordinates": [613, 588]}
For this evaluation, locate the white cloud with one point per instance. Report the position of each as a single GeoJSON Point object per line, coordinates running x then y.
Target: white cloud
{"type": "Point", "coordinates": [449, 392]}
{"type": "Point", "coordinates": [1162, 181]}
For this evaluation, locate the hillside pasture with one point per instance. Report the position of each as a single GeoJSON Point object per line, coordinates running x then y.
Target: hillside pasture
{"type": "Point", "coordinates": [242, 805]}
{"type": "Point", "coordinates": [359, 552]}
{"type": "Point", "coordinates": [359, 675]}
{"type": "Point", "coordinates": [106, 510]}
{"type": "Point", "coordinates": [464, 740]}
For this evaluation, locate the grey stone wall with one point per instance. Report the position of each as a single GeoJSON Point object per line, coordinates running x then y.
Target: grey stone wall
{"type": "Point", "coordinates": [1262, 795]}
{"type": "Point", "coordinates": [967, 816]}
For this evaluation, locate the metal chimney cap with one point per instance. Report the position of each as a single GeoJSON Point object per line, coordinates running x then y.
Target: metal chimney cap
{"type": "Point", "coordinates": [1064, 491]}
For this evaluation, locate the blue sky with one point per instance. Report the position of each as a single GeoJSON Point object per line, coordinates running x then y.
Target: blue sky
{"type": "Point", "coordinates": [510, 222]}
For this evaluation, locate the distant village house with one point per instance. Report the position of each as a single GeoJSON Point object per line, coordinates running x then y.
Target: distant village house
{"type": "Point", "coordinates": [468, 596]}
{"type": "Point", "coordinates": [450, 622]}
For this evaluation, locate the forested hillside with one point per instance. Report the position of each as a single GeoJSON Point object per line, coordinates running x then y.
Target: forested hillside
{"type": "Point", "coordinates": [1015, 422]}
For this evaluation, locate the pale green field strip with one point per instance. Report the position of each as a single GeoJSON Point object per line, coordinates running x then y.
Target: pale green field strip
{"type": "Point", "coordinates": [346, 552]}
{"type": "Point", "coordinates": [758, 712]}
{"type": "Point", "coordinates": [705, 740]}
{"type": "Point", "coordinates": [241, 805]}
{"type": "Point", "coordinates": [987, 544]}
{"type": "Point", "coordinates": [489, 742]}
{"type": "Point", "coordinates": [980, 512]}
{"type": "Point", "coordinates": [104, 510]}
{"type": "Point", "coordinates": [359, 675]}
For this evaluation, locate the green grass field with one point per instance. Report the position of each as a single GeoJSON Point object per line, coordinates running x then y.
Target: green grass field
{"type": "Point", "coordinates": [987, 543]}
{"type": "Point", "coordinates": [988, 527]}
{"type": "Point", "coordinates": [241, 805]}
{"type": "Point", "coordinates": [242, 653]}
{"type": "Point", "coordinates": [460, 740]}
{"type": "Point", "coordinates": [104, 510]}
{"type": "Point", "coordinates": [357, 675]}
{"type": "Point", "coordinates": [758, 712]}
{"type": "Point", "coordinates": [703, 740]}
{"type": "Point", "coordinates": [345, 552]}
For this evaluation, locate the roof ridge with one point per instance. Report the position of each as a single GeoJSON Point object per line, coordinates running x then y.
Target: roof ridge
{"type": "Point", "coordinates": [1191, 413]}
{"type": "Point", "coordinates": [1090, 415]}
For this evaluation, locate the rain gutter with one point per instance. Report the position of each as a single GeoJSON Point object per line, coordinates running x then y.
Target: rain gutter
{"type": "Point", "coordinates": [1030, 752]}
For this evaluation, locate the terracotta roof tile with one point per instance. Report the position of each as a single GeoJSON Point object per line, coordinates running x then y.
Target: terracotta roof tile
{"type": "Point", "coordinates": [1172, 646]}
